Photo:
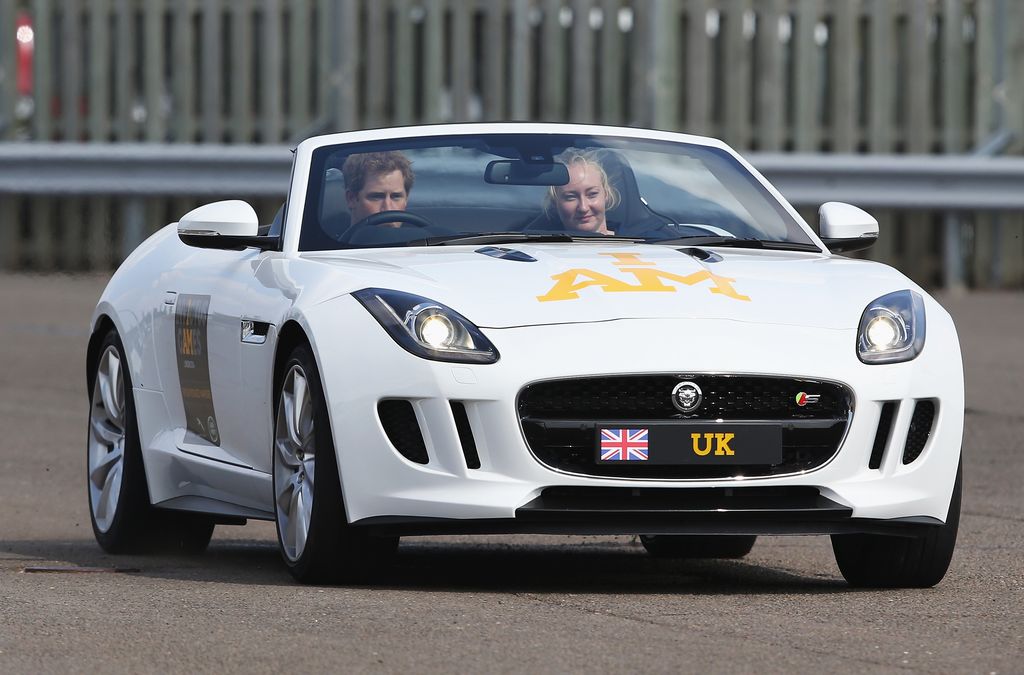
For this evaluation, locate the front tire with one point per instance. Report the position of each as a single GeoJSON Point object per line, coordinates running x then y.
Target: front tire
{"type": "Point", "coordinates": [917, 561]}
{"type": "Point", "coordinates": [316, 542]}
{"type": "Point", "coordinates": [698, 545]}
{"type": "Point", "coordinates": [123, 521]}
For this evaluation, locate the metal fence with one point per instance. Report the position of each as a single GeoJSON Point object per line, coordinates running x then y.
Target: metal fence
{"type": "Point", "coordinates": [778, 76]}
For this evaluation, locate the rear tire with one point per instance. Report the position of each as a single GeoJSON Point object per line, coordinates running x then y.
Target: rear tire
{"type": "Point", "coordinates": [918, 561]}
{"type": "Point", "coordinates": [123, 521]}
{"type": "Point", "coordinates": [697, 545]}
{"type": "Point", "coordinates": [316, 542]}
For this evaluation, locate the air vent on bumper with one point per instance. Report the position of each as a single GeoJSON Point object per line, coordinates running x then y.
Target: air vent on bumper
{"type": "Point", "coordinates": [399, 421]}
{"type": "Point", "coordinates": [920, 429]}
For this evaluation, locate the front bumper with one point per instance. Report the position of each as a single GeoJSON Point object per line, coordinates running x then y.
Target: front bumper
{"type": "Point", "coordinates": [384, 489]}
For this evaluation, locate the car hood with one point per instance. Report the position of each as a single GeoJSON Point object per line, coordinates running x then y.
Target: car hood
{"type": "Point", "coordinates": [534, 284]}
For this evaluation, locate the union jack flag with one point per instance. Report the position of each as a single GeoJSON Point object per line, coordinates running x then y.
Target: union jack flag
{"type": "Point", "coordinates": [625, 445]}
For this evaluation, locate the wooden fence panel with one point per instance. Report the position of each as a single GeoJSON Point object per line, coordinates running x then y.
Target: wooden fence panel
{"type": "Point", "coordinates": [71, 52]}
{"type": "Point", "coordinates": [461, 64]}
{"type": "Point", "coordinates": [552, 59]}
{"type": "Point", "coordinates": [183, 43]}
{"type": "Point", "coordinates": [153, 72]}
{"type": "Point", "coordinates": [842, 77]}
{"type": "Point", "coordinates": [124, 62]}
{"type": "Point", "coordinates": [212, 88]}
{"type": "Point", "coordinates": [806, 74]}
{"type": "Point", "coordinates": [698, 93]}
{"type": "Point", "coordinates": [737, 86]}
{"type": "Point", "coordinates": [374, 90]}
{"type": "Point", "coordinates": [610, 62]}
{"type": "Point", "coordinates": [770, 78]}
{"type": "Point", "coordinates": [42, 72]}
{"type": "Point", "coordinates": [300, 32]}
{"type": "Point", "coordinates": [100, 22]}
{"type": "Point", "coordinates": [403, 63]}
{"type": "Point", "coordinates": [242, 120]}
{"type": "Point", "coordinates": [433, 66]}
{"type": "Point", "coordinates": [582, 71]}
{"type": "Point", "coordinates": [271, 72]}
{"type": "Point", "coordinates": [8, 70]}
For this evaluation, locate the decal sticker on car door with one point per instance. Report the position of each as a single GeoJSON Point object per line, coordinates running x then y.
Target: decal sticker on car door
{"type": "Point", "coordinates": [190, 320]}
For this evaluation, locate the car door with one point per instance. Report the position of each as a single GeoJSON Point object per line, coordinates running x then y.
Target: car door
{"type": "Point", "coordinates": [198, 342]}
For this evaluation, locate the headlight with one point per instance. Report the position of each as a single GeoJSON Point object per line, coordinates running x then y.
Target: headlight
{"type": "Point", "coordinates": [427, 328]}
{"type": "Point", "coordinates": [892, 328]}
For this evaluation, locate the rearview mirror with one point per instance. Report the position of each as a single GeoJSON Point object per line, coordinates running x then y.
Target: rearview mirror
{"type": "Point", "coordinates": [844, 227]}
{"type": "Point", "coordinates": [518, 172]}
{"type": "Point", "coordinates": [230, 224]}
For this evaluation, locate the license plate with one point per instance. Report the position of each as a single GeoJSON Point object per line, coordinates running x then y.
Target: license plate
{"type": "Point", "coordinates": [690, 443]}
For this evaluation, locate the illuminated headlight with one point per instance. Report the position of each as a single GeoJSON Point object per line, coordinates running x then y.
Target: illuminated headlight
{"type": "Point", "coordinates": [892, 328]}
{"type": "Point", "coordinates": [427, 328]}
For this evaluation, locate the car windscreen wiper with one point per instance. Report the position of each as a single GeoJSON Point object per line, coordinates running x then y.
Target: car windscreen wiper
{"type": "Point", "coordinates": [739, 242]}
{"type": "Point", "coordinates": [515, 237]}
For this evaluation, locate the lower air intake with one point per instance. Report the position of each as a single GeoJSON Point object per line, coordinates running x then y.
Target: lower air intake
{"type": "Point", "coordinates": [882, 435]}
{"type": "Point", "coordinates": [403, 430]}
{"type": "Point", "coordinates": [920, 429]}
{"type": "Point", "coordinates": [465, 435]}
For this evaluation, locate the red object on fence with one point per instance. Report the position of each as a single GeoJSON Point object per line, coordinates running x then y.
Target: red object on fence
{"type": "Point", "coordinates": [25, 37]}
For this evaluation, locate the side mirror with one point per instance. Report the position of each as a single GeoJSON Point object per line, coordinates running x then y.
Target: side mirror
{"type": "Point", "coordinates": [844, 227]}
{"type": "Point", "coordinates": [231, 224]}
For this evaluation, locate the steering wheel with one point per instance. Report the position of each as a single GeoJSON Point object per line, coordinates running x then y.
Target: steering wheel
{"type": "Point", "coordinates": [382, 217]}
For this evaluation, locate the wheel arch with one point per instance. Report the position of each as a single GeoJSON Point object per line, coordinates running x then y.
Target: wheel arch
{"type": "Point", "coordinates": [92, 353]}
{"type": "Point", "coordinates": [291, 335]}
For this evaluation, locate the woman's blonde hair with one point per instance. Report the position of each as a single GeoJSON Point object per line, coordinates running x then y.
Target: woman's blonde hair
{"type": "Point", "coordinates": [574, 156]}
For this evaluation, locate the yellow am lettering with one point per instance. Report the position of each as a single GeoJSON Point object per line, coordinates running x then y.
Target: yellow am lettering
{"type": "Point", "coordinates": [569, 283]}
{"type": "Point", "coordinates": [623, 259]}
{"type": "Point", "coordinates": [651, 280]}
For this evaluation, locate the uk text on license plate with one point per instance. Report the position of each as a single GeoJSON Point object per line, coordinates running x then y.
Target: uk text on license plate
{"type": "Point", "coordinates": [690, 443]}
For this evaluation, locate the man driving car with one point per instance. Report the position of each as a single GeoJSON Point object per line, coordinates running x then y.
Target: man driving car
{"type": "Point", "coordinates": [375, 182]}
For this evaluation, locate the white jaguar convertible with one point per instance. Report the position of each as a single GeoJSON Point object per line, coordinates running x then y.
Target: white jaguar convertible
{"type": "Point", "coordinates": [524, 328]}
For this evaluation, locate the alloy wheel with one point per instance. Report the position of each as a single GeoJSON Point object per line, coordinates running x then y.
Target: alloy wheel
{"type": "Point", "coordinates": [294, 463]}
{"type": "Point", "coordinates": [107, 439]}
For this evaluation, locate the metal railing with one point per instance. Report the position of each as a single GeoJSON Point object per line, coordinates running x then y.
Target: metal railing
{"type": "Point", "coordinates": [904, 182]}
{"type": "Point", "coordinates": [135, 188]}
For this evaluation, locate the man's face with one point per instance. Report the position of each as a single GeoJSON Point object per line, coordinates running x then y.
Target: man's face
{"type": "Point", "coordinates": [381, 192]}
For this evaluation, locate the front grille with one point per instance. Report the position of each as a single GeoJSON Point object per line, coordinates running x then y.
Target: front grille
{"type": "Point", "coordinates": [648, 397]}
{"type": "Point", "coordinates": [560, 419]}
{"type": "Point", "coordinates": [920, 429]}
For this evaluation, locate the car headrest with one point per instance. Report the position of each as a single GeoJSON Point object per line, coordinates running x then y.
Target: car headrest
{"type": "Point", "coordinates": [334, 215]}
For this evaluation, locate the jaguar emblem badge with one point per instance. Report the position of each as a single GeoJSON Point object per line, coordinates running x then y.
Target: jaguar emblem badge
{"type": "Point", "coordinates": [687, 396]}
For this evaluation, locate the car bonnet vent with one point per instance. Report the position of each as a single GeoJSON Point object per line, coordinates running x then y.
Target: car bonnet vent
{"type": "Point", "coordinates": [506, 254]}
{"type": "Point", "coordinates": [701, 254]}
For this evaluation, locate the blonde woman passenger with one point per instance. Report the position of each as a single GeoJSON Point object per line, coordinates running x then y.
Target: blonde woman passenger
{"type": "Point", "coordinates": [582, 204]}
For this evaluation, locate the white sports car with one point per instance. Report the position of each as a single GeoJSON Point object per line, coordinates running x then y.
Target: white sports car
{"type": "Point", "coordinates": [525, 328]}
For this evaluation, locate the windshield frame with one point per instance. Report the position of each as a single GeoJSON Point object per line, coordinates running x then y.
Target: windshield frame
{"type": "Point", "coordinates": [508, 142]}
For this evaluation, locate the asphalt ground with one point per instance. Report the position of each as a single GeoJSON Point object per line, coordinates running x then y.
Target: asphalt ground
{"type": "Point", "coordinates": [561, 604]}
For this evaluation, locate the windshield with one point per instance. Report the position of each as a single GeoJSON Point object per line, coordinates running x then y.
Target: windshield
{"type": "Point", "coordinates": [534, 187]}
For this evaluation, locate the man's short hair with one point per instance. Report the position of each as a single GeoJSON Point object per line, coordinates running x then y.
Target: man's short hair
{"type": "Point", "coordinates": [357, 168]}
